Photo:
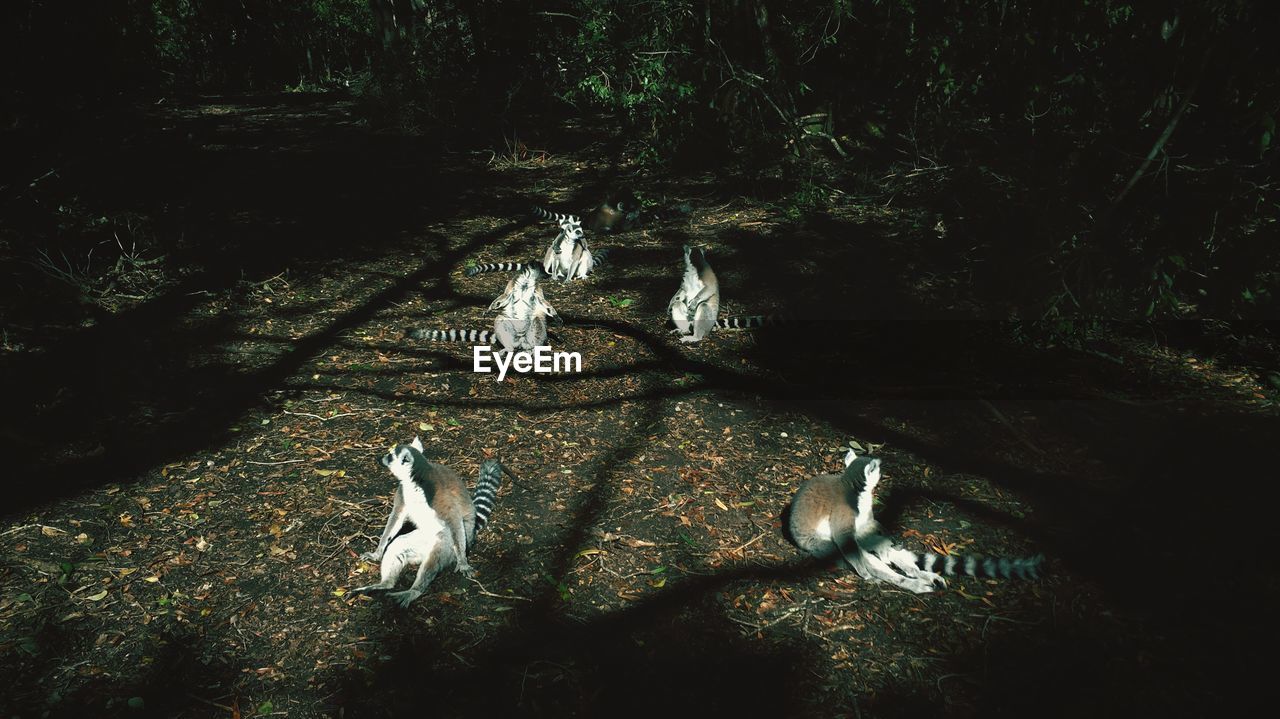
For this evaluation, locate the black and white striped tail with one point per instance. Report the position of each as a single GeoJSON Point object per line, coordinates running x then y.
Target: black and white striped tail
{"type": "Point", "coordinates": [746, 322]}
{"type": "Point", "coordinates": [982, 567]}
{"type": "Point", "coordinates": [486, 494]}
{"type": "Point", "coordinates": [473, 336]}
{"type": "Point", "coordinates": [498, 267]}
{"type": "Point", "coordinates": [554, 216]}
{"type": "Point", "coordinates": [601, 255]}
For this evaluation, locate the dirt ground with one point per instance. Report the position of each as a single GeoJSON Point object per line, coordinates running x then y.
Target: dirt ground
{"type": "Point", "coordinates": [197, 458]}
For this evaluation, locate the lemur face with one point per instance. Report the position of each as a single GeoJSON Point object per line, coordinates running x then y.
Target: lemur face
{"type": "Point", "coordinates": [401, 458]}
{"type": "Point", "coordinates": [873, 473]}
{"type": "Point", "coordinates": [570, 237]}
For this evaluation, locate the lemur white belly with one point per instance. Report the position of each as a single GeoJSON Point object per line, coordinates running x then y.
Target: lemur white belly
{"type": "Point", "coordinates": [426, 535]}
{"type": "Point", "coordinates": [823, 528]}
{"type": "Point", "coordinates": [691, 286]}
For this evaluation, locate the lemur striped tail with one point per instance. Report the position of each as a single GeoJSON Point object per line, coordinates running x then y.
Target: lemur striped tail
{"type": "Point", "coordinates": [554, 216]}
{"type": "Point", "coordinates": [978, 566]}
{"type": "Point", "coordinates": [486, 494]}
{"type": "Point", "coordinates": [746, 322]}
{"type": "Point", "coordinates": [476, 336]}
{"type": "Point", "coordinates": [498, 267]}
{"type": "Point", "coordinates": [601, 255]}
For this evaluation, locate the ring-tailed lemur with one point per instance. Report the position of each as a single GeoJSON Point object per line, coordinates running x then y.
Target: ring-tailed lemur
{"type": "Point", "coordinates": [615, 215]}
{"type": "Point", "coordinates": [695, 305]}
{"type": "Point", "coordinates": [597, 259]}
{"type": "Point", "coordinates": [700, 283]}
{"type": "Point", "coordinates": [610, 216]}
{"type": "Point", "coordinates": [562, 255]}
{"type": "Point", "coordinates": [433, 520]}
{"type": "Point", "coordinates": [568, 257]}
{"type": "Point", "coordinates": [522, 324]}
{"type": "Point", "coordinates": [831, 516]}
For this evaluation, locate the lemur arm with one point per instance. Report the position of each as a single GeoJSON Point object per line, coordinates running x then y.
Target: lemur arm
{"type": "Point", "coordinates": [395, 522]}
{"type": "Point", "coordinates": [679, 314]}
{"type": "Point", "coordinates": [704, 320]}
{"type": "Point", "coordinates": [704, 294]}
{"type": "Point", "coordinates": [541, 301]}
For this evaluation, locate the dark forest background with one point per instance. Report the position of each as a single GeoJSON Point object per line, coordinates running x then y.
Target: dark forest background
{"type": "Point", "coordinates": [1089, 161]}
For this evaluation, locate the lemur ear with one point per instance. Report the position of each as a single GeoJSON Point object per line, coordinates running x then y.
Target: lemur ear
{"type": "Point", "coordinates": [849, 457]}
{"type": "Point", "coordinates": [872, 472]}
{"type": "Point", "coordinates": [416, 444]}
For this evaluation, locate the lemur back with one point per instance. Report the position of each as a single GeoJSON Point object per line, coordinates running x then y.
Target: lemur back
{"type": "Point", "coordinates": [831, 506]}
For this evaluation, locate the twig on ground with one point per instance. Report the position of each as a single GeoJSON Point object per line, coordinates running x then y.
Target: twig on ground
{"type": "Point", "coordinates": [215, 705]}
{"type": "Point", "coordinates": [1009, 426]}
{"type": "Point", "coordinates": [739, 549]}
{"type": "Point", "coordinates": [272, 464]}
{"type": "Point", "coordinates": [488, 593]}
{"type": "Point", "coordinates": [316, 416]}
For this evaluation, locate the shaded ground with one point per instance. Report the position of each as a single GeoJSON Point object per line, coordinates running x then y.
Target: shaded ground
{"type": "Point", "coordinates": [195, 433]}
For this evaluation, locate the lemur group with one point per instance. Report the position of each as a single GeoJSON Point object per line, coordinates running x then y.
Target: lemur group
{"type": "Point", "coordinates": [434, 518]}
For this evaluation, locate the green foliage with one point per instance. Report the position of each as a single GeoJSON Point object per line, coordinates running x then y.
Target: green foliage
{"type": "Point", "coordinates": [634, 59]}
{"type": "Point", "coordinates": [1030, 117]}
{"type": "Point", "coordinates": [269, 44]}
{"type": "Point", "coordinates": [560, 587]}
{"type": "Point", "coordinates": [808, 197]}
{"type": "Point", "coordinates": [1160, 289]}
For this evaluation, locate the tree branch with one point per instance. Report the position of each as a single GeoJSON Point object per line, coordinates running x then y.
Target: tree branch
{"type": "Point", "coordinates": [1164, 136]}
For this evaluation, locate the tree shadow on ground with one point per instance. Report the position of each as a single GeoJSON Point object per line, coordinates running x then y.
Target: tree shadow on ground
{"type": "Point", "coordinates": [1109, 513]}
{"type": "Point", "coordinates": [674, 650]}
{"type": "Point", "coordinates": [670, 653]}
{"type": "Point", "coordinates": [180, 671]}
{"type": "Point", "coordinates": [134, 390]}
